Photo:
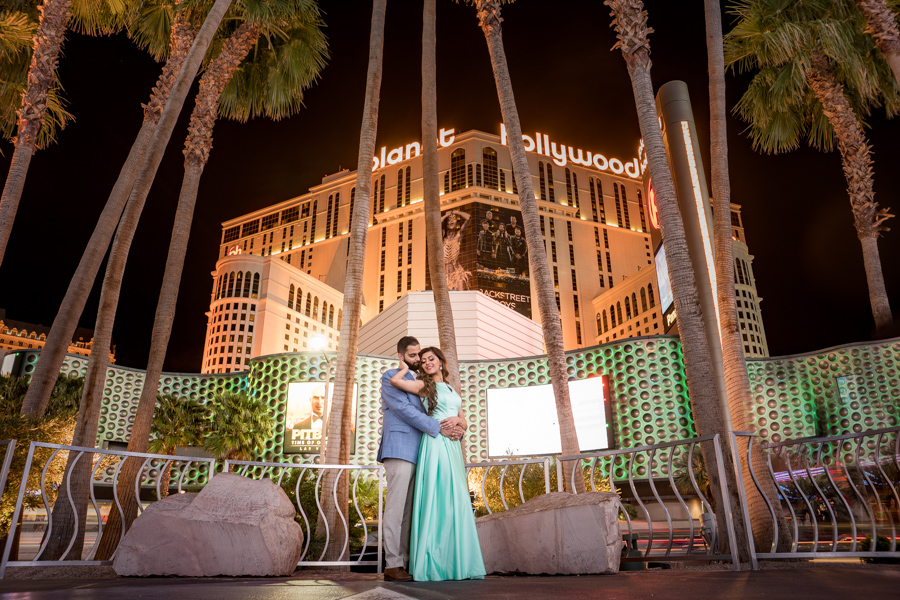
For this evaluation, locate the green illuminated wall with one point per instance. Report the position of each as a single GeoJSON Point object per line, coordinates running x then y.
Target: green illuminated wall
{"type": "Point", "coordinates": [794, 396]}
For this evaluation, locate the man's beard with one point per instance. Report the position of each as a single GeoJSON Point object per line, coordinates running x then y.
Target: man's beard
{"type": "Point", "coordinates": [416, 368]}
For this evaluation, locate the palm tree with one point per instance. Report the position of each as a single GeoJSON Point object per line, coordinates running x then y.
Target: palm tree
{"type": "Point", "coordinates": [632, 31]}
{"type": "Point", "coordinates": [177, 422]}
{"type": "Point", "coordinates": [174, 81]}
{"type": "Point", "coordinates": [104, 17]}
{"type": "Point", "coordinates": [737, 381]}
{"type": "Point", "coordinates": [882, 25]}
{"type": "Point", "coordinates": [339, 438]}
{"type": "Point", "coordinates": [489, 20]}
{"type": "Point", "coordinates": [818, 76]}
{"type": "Point", "coordinates": [432, 198]}
{"type": "Point", "coordinates": [238, 427]}
{"type": "Point", "coordinates": [272, 85]}
{"type": "Point", "coordinates": [17, 30]}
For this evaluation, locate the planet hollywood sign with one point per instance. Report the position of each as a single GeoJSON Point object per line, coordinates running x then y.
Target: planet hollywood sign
{"type": "Point", "coordinates": [560, 154]}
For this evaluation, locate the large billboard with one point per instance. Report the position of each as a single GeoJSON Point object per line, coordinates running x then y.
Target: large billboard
{"type": "Point", "coordinates": [306, 417]}
{"type": "Point", "coordinates": [522, 421]}
{"type": "Point", "coordinates": [485, 250]}
{"type": "Point", "coordinates": [666, 297]}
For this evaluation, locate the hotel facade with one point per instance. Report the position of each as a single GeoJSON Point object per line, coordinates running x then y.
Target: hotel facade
{"type": "Point", "coordinates": [279, 278]}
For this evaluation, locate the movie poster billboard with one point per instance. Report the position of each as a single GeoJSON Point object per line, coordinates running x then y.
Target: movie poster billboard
{"type": "Point", "coordinates": [306, 417]}
{"type": "Point", "coordinates": [485, 250]}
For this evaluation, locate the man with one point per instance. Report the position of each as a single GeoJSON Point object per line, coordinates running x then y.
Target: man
{"type": "Point", "coordinates": [402, 427]}
{"type": "Point", "coordinates": [485, 250]}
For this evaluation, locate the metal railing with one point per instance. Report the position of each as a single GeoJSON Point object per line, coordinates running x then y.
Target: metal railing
{"type": "Point", "coordinates": [8, 447]}
{"type": "Point", "coordinates": [106, 465]}
{"type": "Point", "coordinates": [684, 539]}
{"type": "Point", "coordinates": [311, 476]}
{"type": "Point", "coordinates": [838, 495]}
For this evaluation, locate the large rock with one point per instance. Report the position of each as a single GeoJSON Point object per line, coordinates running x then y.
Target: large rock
{"type": "Point", "coordinates": [234, 526]}
{"type": "Point", "coordinates": [554, 534]}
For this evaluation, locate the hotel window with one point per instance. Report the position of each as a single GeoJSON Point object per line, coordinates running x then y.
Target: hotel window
{"type": "Point", "coordinates": [608, 265]}
{"type": "Point", "coordinates": [458, 169]}
{"type": "Point", "coordinates": [555, 277]}
{"type": "Point", "coordinates": [400, 234]}
{"type": "Point", "coordinates": [650, 295]}
{"type": "Point", "coordinates": [408, 189]}
{"type": "Point", "coordinates": [600, 265]}
{"type": "Point", "coordinates": [331, 316]}
{"type": "Point", "coordinates": [553, 251]}
{"type": "Point", "coordinates": [324, 311]}
{"type": "Point", "coordinates": [574, 286]}
{"type": "Point", "coordinates": [605, 325]}
{"type": "Point", "coordinates": [643, 300]}
{"type": "Point", "coordinates": [291, 297]}
{"type": "Point", "coordinates": [399, 281]}
{"type": "Point", "coordinates": [610, 281]}
{"type": "Point", "coordinates": [409, 254]}
{"type": "Point", "coordinates": [634, 303]}
{"type": "Point", "coordinates": [627, 309]}
{"type": "Point", "coordinates": [381, 195]}
{"type": "Point", "coordinates": [312, 226]}
{"type": "Point", "coordinates": [270, 221]}
{"type": "Point", "coordinates": [470, 181]}
{"type": "Point", "coordinates": [328, 215]}
{"type": "Point", "coordinates": [550, 195]}
{"type": "Point", "coordinates": [514, 184]}
{"type": "Point", "coordinates": [375, 203]}
{"type": "Point", "coordinates": [408, 279]}
{"type": "Point", "coordinates": [618, 205]}
{"type": "Point", "coordinates": [383, 236]}
{"type": "Point", "coordinates": [308, 304]}
{"type": "Point", "coordinates": [337, 208]}
{"type": "Point", "coordinates": [381, 286]}
{"type": "Point", "coordinates": [478, 175]}
{"type": "Point", "coordinates": [625, 207]}
{"type": "Point", "coordinates": [315, 314]}
{"type": "Point", "coordinates": [382, 260]}
{"type": "Point", "coordinates": [289, 215]}
{"type": "Point", "coordinates": [542, 226]}
{"type": "Point", "coordinates": [569, 196]}
{"type": "Point", "coordinates": [578, 333]}
{"type": "Point", "coordinates": [552, 228]}
{"type": "Point", "coordinates": [571, 255]}
{"type": "Point", "coordinates": [489, 160]}
{"type": "Point", "coordinates": [399, 256]}
{"type": "Point", "coordinates": [605, 239]}
{"type": "Point", "coordinates": [543, 181]}
{"type": "Point", "coordinates": [352, 202]}
{"type": "Point", "coordinates": [503, 181]}
{"type": "Point", "coordinates": [735, 219]}
{"type": "Point", "coordinates": [569, 229]}
{"type": "Point", "coordinates": [641, 206]}
{"type": "Point", "coordinates": [558, 305]}
{"type": "Point", "coordinates": [619, 312]}
{"type": "Point", "coordinates": [409, 230]}
{"type": "Point", "coordinates": [447, 182]}
{"type": "Point", "coordinates": [304, 211]}
{"type": "Point", "coordinates": [577, 201]}
{"type": "Point", "coordinates": [231, 234]}
{"type": "Point", "coordinates": [400, 187]}
{"type": "Point", "coordinates": [251, 228]}
{"type": "Point", "coordinates": [255, 293]}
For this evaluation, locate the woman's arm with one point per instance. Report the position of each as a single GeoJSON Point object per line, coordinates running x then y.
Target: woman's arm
{"type": "Point", "coordinates": [413, 386]}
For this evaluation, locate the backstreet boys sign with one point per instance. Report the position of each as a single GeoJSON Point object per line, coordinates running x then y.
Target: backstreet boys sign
{"type": "Point", "coordinates": [306, 417]}
{"type": "Point", "coordinates": [485, 250]}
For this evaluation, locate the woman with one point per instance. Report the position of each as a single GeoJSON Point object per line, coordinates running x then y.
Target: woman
{"type": "Point", "coordinates": [443, 540]}
{"type": "Point", "coordinates": [457, 276]}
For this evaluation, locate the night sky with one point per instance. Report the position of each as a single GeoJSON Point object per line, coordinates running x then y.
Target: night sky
{"type": "Point", "coordinates": [808, 262]}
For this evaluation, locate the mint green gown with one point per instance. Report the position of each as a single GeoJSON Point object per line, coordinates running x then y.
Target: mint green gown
{"type": "Point", "coordinates": [443, 540]}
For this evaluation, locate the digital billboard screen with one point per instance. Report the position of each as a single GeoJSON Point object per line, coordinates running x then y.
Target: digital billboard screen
{"type": "Point", "coordinates": [306, 417]}
{"type": "Point", "coordinates": [485, 250]}
{"type": "Point", "coordinates": [666, 297]}
{"type": "Point", "coordinates": [522, 421]}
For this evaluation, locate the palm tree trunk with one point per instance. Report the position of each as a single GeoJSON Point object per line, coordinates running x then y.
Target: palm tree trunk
{"type": "Point", "coordinates": [856, 157]}
{"type": "Point", "coordinates": [197, 148]}
{"type": "Point", "coordinates": [630, 21]}
{"type": "Point", "coordinates": [882, 25]}
{"type": "Point", "coordinates": [432, 198]}
{"type": "Point", "coordinates": [85, 433]}
{"type": "Point", "coordinates": [48, 41]}
{"type": "Point", "coordinates": [489, 20]}
{"type": "Point", "coordinates": [54, 352]}
{"type": "Point", "coordinates": [737, 381]}
{"type": "Point", "coordinates": [337, 444]}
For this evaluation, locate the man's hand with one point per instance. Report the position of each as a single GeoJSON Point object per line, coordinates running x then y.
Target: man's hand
{"type": "Point", "coordinates": [457, 422]}
{"type": "Point", "coordinates": [452, 433]}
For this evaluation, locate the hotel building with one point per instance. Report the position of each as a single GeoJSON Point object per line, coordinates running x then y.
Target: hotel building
{"type": "Point", "coordinates": [288, 258]}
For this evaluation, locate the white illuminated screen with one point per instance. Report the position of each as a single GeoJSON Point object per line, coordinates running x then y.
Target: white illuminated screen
{"type": "Point", "coordinates": [662, 277]}
{"type": "Point", "coordinates": [522, 421]}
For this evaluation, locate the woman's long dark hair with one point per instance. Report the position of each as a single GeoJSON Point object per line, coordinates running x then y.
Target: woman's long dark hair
{"type": "Point", "coordinates": [430, 390]}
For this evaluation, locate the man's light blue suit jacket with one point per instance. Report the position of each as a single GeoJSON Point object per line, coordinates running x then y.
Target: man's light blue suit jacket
{"type": "Point", "coordinates": [404, 421]}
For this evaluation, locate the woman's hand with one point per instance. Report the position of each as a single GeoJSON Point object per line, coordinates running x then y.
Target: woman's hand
{"type": "Point", "coordinates": [458, 422]}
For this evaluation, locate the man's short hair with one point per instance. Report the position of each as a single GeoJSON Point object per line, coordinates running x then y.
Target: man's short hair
{"type": "Point", "coordinates": [405, 342]}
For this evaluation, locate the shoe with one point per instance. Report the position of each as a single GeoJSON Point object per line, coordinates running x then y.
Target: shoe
{"type": "Point", "coordinates": [397, 574]}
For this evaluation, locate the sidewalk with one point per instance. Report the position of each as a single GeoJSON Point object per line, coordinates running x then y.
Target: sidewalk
{"type": "Point", "coordinates": [787, 584]}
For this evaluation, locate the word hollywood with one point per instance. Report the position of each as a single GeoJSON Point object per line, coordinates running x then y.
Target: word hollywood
{"type": "Point", "coordinates": [561, 155]}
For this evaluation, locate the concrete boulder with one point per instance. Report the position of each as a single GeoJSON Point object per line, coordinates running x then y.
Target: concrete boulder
{"type": "Point", "coordinates": [234, 526]}
{"type": "Point", "coordinates": [554, 534]}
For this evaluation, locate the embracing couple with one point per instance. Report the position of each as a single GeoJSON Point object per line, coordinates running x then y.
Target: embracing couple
{"type": "Point", "coordinates": [429, 528]}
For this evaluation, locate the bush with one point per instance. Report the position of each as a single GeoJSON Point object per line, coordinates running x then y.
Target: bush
{"type": "Point", "coordinates": [882, 544]}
